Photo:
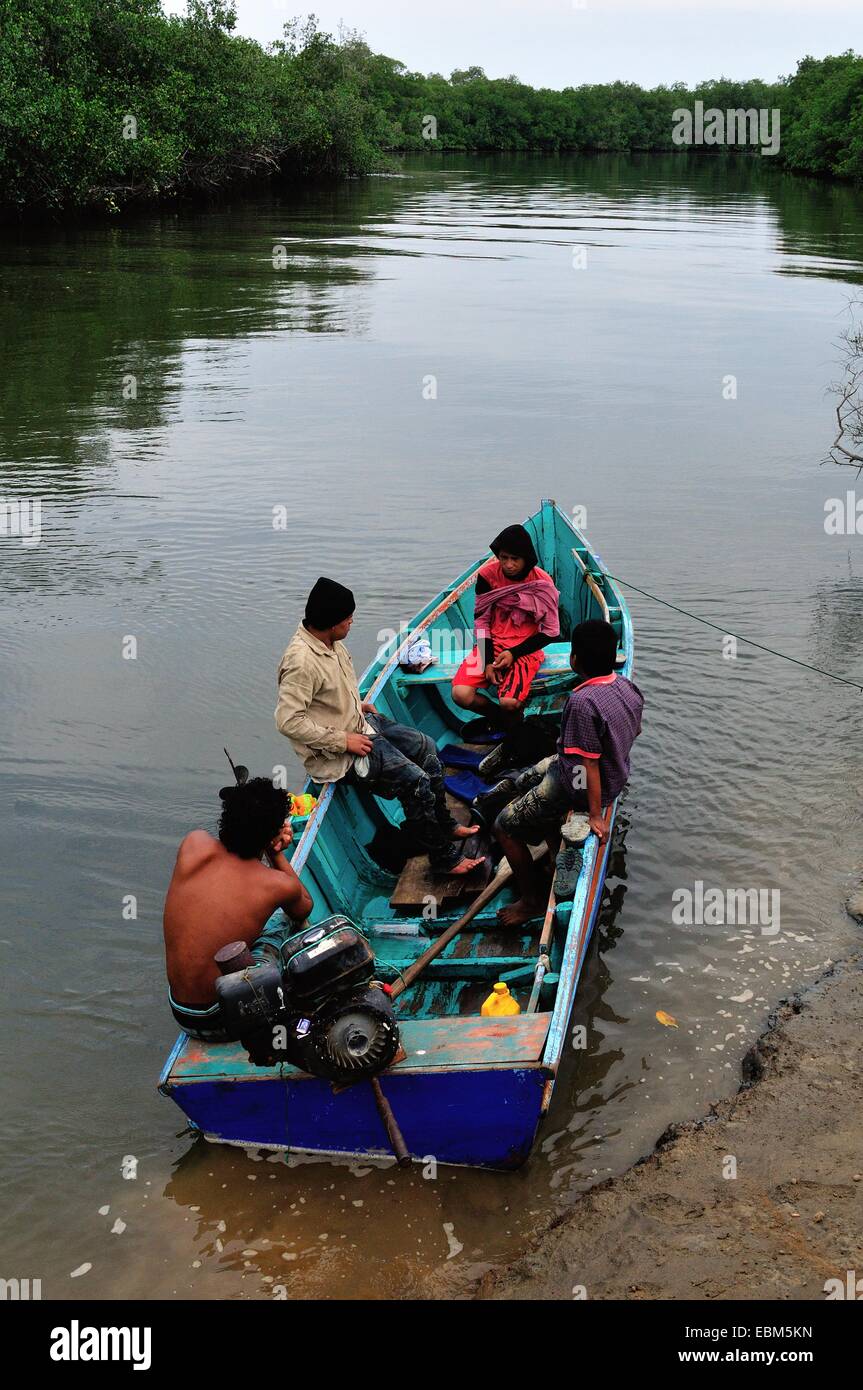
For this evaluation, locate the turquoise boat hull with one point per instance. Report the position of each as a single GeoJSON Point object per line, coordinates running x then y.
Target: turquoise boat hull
{"type": "Point", "coordinates": [469, 1090]}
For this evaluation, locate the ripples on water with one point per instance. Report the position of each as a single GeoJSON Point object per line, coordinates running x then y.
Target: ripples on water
{"type": "Point", "coordinates": [301, 386]}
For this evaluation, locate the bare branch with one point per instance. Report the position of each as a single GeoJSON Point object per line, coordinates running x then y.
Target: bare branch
{"type": "Point", "coordinates": [845, 449]}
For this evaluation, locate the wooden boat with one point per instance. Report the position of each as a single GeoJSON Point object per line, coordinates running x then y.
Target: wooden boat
{"type": "Point", "coordinates": [469, 1090]}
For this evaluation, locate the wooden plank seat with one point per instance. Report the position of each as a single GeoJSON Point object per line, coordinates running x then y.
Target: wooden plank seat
{"type": "Point", "coordinates": [555, 665]}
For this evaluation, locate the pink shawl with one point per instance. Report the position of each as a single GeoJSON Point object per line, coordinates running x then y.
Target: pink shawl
{"type": "Point", "coordinates": [534, 598]}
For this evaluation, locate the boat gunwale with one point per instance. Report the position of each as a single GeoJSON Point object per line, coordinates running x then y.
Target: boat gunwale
{"type": "Point", "coordinates": [590, 898]}
{"type": "Point", "coordinates": [165, 1076]}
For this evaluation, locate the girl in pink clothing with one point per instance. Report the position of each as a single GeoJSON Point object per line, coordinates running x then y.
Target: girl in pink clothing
{"type": "Point", "coordinates": [516, 612]}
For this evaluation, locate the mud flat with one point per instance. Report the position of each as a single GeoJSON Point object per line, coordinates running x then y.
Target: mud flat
{"type": "Point", "coordinates": [674, 1227]}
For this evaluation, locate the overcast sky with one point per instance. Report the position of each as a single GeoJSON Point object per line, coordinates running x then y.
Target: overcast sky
{"type": "Point", "coordinates": [558, 43]}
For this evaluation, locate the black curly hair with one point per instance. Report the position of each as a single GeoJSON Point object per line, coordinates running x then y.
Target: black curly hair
{"type": "Point", "coordinates": [252, 816]}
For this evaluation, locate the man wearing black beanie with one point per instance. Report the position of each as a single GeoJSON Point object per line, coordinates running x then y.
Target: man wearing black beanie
{"type": "Point", "coordinates": [328, 605]}
{"type": "Point", "coordinates": [339, 736]}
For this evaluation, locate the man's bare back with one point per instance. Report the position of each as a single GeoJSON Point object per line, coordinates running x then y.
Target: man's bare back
{"type": "Point", "coordinates": [216, 897]}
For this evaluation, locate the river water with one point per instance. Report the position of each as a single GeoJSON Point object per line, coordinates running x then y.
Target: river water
{"type": "Point", "coordinates": [405, 365]}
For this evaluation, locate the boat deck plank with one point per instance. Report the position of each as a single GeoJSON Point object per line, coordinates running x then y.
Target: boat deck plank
{"type": "Point", "coordinates": [417, 886]}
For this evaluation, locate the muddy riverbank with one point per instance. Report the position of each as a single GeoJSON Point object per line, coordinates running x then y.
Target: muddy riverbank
{"type": "Point", "coordinates": [761, 1199]}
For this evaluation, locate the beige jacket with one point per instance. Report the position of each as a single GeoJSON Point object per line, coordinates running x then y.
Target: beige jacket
{"type": "Point", "coordinates": [319, 703]}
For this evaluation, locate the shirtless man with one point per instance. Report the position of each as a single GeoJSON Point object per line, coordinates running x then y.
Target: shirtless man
{"type": "Point", "coordinates": [221, 892]}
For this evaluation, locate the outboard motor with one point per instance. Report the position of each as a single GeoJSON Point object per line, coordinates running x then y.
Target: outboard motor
{"type": "Point", "coordinates": [320, 1010]}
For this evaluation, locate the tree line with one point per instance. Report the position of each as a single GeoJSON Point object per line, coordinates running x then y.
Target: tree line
{"type": "Point", "coordinates": [105, 102]}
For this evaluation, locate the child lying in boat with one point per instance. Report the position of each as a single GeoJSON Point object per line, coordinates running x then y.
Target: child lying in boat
{"type": "Point", "coordinates": [515, 613]}
{"type": "Point", "coordinates": [601, 721]}
{"type": "Point", "coordinates": [220, 892]}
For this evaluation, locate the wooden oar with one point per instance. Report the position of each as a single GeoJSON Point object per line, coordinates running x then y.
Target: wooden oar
{"type": "Point", "coordinates": [491, 890]}
{"type": "Point", "coordinates": [500, 880]}
{"type": "Point", "coordinates": [385, 1110]}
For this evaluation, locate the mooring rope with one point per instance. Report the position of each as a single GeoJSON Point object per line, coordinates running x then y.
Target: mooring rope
{"type": "Point", "coordinates": [819, 670]}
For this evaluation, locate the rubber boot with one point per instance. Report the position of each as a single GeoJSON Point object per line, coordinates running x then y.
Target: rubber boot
{"type": "Point", "coordinates": [486, 807]}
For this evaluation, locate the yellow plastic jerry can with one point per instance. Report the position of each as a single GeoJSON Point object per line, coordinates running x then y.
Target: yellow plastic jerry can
{"type": "Point", "coordinates": [499, 1002]}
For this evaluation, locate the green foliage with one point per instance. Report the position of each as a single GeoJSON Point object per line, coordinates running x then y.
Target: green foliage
{"type": "Point", "coordinates": [823, 119]}
{"type": "Point", "coordinates": [821, 112]}
{"type": "Point", "coordinates": [105, 101]}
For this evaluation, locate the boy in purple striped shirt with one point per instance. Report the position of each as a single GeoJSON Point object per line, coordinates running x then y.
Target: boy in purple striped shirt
{"type": "Point", "coordinates": [601, 721]}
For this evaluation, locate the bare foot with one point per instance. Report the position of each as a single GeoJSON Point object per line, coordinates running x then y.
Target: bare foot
{"type": "Point", "coordinates": [464, 832]}
{"type": "Point", "coordinates": [464, 866]}
{"type": "Point", "coordinates": [519, 912]}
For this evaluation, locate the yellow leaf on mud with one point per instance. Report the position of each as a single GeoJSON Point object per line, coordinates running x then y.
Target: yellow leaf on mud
{"type": "Point", "coordinates": [665, 1019]}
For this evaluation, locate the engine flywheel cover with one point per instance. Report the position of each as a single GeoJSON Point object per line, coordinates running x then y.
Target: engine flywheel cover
{"type": "Point", "coordinates": [357, 1042]}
